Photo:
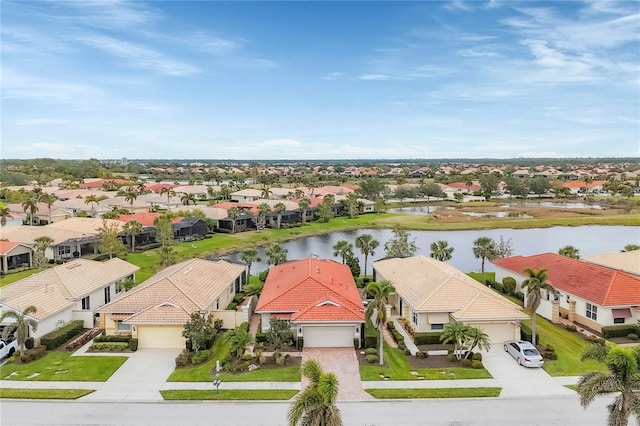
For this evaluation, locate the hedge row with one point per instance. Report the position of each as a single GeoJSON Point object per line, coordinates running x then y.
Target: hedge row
{"type": "Point", "coordinates": [526, 333]}
{"type": "Point", "coordinates": [109, 347]}
{"type": "Point", "coordinates": [609, 331]}
{"type": "Point", "coordinates": [131, 343]}
{"type": "Point", "coordinates": [57, 338]}
{"type": "Point", "coordinates": [427, 338]}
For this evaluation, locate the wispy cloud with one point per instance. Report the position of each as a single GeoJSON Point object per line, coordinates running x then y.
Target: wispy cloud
{"type": "Point", "coordinates": [40, 121]}
{"type": "Point", "coordinates": [458, 6]}
{"type": "Point", "coordinates": [332, 76]}
{"type": "Point", "coordinates": [374, 77]}
{"type": "Point", "coordinates": [107, 14]}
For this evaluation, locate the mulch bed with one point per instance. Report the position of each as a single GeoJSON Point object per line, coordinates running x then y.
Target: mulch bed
{"type": "Point", "coordinates": [433, 361]}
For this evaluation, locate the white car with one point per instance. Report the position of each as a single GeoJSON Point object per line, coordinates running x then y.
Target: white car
{"type": "Point", "coordinates": [524, 352]}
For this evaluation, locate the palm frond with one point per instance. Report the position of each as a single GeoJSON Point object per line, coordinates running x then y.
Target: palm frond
{"type": "Point", "coordinates": [595, 383]}
{"type": "Point", "coordinates": [312, 370]}
{"type": "Point", "coordinates": [595, 351]}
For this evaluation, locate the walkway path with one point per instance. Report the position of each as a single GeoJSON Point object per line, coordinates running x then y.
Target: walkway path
{"type": "Point", "coordinates": [408, 341]}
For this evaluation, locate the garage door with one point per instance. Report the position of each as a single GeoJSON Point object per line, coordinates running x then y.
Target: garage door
{"type": "Point", "coordinates": [498, 333]}
{"type": "Point", "coordinates": [328, 336]}
{"type": "Point", "coordinates": [160, 337]}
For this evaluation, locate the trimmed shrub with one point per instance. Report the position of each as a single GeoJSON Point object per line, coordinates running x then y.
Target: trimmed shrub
{"type": "Point", "coordinates": [477, 356]}
{"type": "Point", "coordinates": [391, 325]}
{"type": "Point", "coordinates": [509, 284]}
{"type": "Point", "coordinates": [519, 295]}
{"type": "Point", "coordinates": [109, 347]}
{"type": "Point", "coordinates": [572, 328]}
{"type": "Point", "coordinates": [370, 337]}
{"type": "Point", "coordinates": [29, 343]}
{"type": "Point", "coordinates": [526, 333]}
{"type": "Point", "coordinates": [372, 359]}
{"type": "Point", "coordinates": [114, 338]}
{"type": "Point", "coordinates": [238, 298]}
{"type": "Point", "coordinates": [632, 336]}
{"type": "Point", "coordinates": [262, 276]}
{"type": "Point", "coordinates": [609, 331]}
{"type": "Point", "coordinates": [133, 345]}
{"type": "Point", "coordinates": [371, 351]}
{"type": "Point", "coordinates": [184, 359]}
{"type": "Point", "coordinates": [550, 355]}
{"type": "Point", "coordinates": [422, 354]}
{"type": "Point", "coordinates": [57, 338]}
{"type": "Point", "coordinates": [465, 362]}
{"type": "Point", "coordinates": [32, 354]}
{"type": "Point", "coordinates": [549, 348]}
{"type": "Point", "coordinates": [477, 364]}
{"type": "Point", "coordinates": [428, 338]}
{"type": "Point", "coordinates": [232, 306]}
{"type": "Point", "coordinates": [200, 357]}
{"type": "Point", "coordinates": [261, 337]}
{"type": "Point", "coordinates": [498, 286]}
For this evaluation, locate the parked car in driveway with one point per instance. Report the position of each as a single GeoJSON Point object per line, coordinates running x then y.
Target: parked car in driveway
{"type": "Point", "coordinates": [7, 348]}
{"type": "Point", "coordinates": [524, 353]}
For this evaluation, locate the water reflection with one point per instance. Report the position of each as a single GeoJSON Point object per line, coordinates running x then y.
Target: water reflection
{"type": "Point", "coordinates": [419, 210]}
{"type": "Point", "coordinates": [567, 205]}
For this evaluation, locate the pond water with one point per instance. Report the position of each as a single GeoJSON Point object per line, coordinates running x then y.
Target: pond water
{"type": "Point", "coordinates": [567, 205]}
{"type": "Point", "coordinates": [419, 210]}
{"type": "Point", "coordinates": [589, 240]}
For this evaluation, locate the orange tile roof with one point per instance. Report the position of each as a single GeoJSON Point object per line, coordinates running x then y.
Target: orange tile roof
{"type": "Point", "coordinates": [313, 290]}
{"type": "Point", "coordinates": [598, 284]}
{"type": "Point", "coordinates": [7, 246]}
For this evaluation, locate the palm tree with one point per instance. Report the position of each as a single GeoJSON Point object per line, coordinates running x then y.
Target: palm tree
{"type": "Point", "coordinates": [623, 378]}
{"type": "Point", "coordinates": [352, 204]}
{"type": "Point", "coordinates": [484, 248]}
{"type": "Point", "coordinates": [533, 286]}
{"type": "Point", "coordinates": [263, 210]}
{"type": "Point", "coordinates": [343, 248]}
{"type": "Point", "coordinates": [477, 338]}
{"type": "Point", "coordinates": [249, 256]}
{"type": "Point", "coordinates": [21, 325]}
{"type": "Point", "coordinates": [93, 200]}
{"type": "Point", "coordinates": [316, 404]}
{"type": "Point", "coordinates": [304, 205]}
{"type": "Point", "coordinates": [239, 338]}
{"type": "Point", "coordinates": [130, 196]}
{"type": "Point", "coordinates": [569, 251]}
{"type": "Point", "coordinates": [48, 199]}
{"type": "Point", "coordinates": [279, 210]}
{"type": "Point", "coordinates": [367, 245]}
{"type": "Point", "coordinates": [4, 214]}
{"type": "Point", "coordinates": [441, 251]}
{"type": "Point", "coordinates": [266, 192]}
{"type": "Point", "coordinates": [276, 254]}
{"type": "Point", "coordinates": [30, 204]}
{"type": "Point", "coordinates": [458, 333]}
{"type": "Point", "coordinates": [188, 198]}
{"type": "Point", "coordinates": [132, 228]}
{"type": "Point", "coordinates": [41, 245]}
{"type": "Point", "coordinates": [376, 312]}
{"type": "Point", "coordinates": [233, 213]}
{"type": "Point", "coordinates": [170, 193]}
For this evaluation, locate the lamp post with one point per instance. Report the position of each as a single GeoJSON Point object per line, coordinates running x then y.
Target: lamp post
{"type": "Point", "coordinates": [216, 381]}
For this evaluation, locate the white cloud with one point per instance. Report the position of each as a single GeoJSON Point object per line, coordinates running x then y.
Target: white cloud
{"type": "Point", "coordinates": [458, 6]}
{"type": "Point", "coordinates": [332, 76]}
{"type": "Point", "coordinates": [40, 121]}
{"type": "Point", "coordinates": [372, 77]}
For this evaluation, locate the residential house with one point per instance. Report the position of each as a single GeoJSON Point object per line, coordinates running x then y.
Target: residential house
{"type": "Point", "coordinates": [320, 300]}
{"type": "Point", "coordinates": [589, 294]}
{"type": "Point", "coordinates": [43, 214]}
{"type": "Point", "coordinates": [626, 261]}
{"type": "Point", "coordinates": [246, 195]}
{"type": "Point", "coordinates": [15, 255]}
{"type": "Point", "coordinates": [156, 311]}
{"type": "Point", "coordinates": [72, 291]}
{"type": "Point", "coordinates": [430, 294]}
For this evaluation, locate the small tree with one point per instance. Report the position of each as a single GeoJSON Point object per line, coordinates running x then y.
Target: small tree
{"type": "Point", "coordinates": [109, 242]}
{"type": "Point", "coordinates": [249, 256]}
{"type": "Point", "coordinates": [132, 229]}
{"type": "Point", "coordinates": [441, 250]}
{"type": "Point", "coordinates": [21, 325]}
{"type": "Point", "coordinates": [199, 330]}
{"type": "Point", "coordinates": [399, 245]}
{"type": "Point", "coordinates": [484, 248]}
{"type": "Point", "coordinates": [41, 246]}
{"type": "Point", "coordinates": [279, 335]}
{"type": "Point", "coordinates": [239, 338]}
{"type": "Point", "coordinates": [569, 251]}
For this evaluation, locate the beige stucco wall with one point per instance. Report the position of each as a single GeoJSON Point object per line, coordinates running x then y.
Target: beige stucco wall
{"type": "Point", "coordinates": [159, 336]}
{"type": "Point", "coordinates": [231, 319]}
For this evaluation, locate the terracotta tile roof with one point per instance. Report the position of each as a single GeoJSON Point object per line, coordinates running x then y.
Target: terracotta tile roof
{"type": "Point", "coordinates": [7, 246]}
{"type": "Point", "coordinates": [192, 285]}
{"type": "Point", "coordinates": [58, 288]}
{"type": "Point", "coordinates": [298, 286]}
{"type": "Point", "coordinates": [598, 284]}
{"type": "Point", "coordinates": [429, 285]}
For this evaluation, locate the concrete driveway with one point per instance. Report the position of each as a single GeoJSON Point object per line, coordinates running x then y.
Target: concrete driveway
{"type": "Point", "coordinates": [344, 364]}
{"type": "Point", "coordinates": [139, 378]}
{"type": "Point", "coordinates": [517, 381]}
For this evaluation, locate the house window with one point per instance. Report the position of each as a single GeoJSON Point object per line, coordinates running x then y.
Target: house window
{"type": "Point", "coordinates": [437, 326]}
{"type": "Point", "coordinates": [122, 327]}
{"type": "Point", "coordinates": [217, 304]}
{"type": "Point", "coordinates": [62, 250]}
{"type": "Point", "coordinates": [231, 289]}
{"type": "Point", "coordinates": [592, 312]}
{"type": "Point", "coordinates": [618, 320]}
{"type": "Point", "coordinates": [415, 318]}
{"type": "Point", "coordinates": [107, 294]}
{"type": "Point", "coordinates": [85, 304]}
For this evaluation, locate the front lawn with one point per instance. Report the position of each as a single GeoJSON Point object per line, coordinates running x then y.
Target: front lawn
{"type": "Point", "coordinates": [434, 393]}
{"type": "Point", "coordinates": [233, 394]}
{"type": "Point", "coordinates": [202, 373]}
{"type": "Point", "coordinates": [61, 366]}
{"type": "Point", "coordinates": [398, 368]}
{"type": "Point", "coordinates": [44, 393]}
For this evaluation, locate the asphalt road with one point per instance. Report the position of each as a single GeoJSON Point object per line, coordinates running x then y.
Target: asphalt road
{"type": "Point", "coordinates": [543, 411]}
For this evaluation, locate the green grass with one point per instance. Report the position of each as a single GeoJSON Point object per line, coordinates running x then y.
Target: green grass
{"type": "Point", "coordinates": [434, 393]}
{"type": "Point", "coordinates": [60, 366]}
{"type": "Point", "coordinates": [572, 387]}
{"type": "Point", "coordinates": [234, 394]}
{"type": "Point", "coordinates": [202, 373]}
{"type": "Point", "coordinates": [44, 393]}
{"type": "Point", "coordinates": [16, 276]}
{"type": "Point", "coordinates": [568, 346]}
{"type": "Point", "coordinates": [398, 368]}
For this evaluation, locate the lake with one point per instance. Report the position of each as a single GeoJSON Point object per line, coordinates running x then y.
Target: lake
{"type": "Point", "coordinates": [589, 240]}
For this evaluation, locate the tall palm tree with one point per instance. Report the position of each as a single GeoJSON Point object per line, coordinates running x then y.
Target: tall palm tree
{"type": "Point", "coordinates": [533, 286]}
{"type": "Point", "coordinates": [376, 312]}
{"type": "Point", "coordinates": [343, 248]}
{"type": "Point", "coordinates": [130, 197]}
{"type": "Point", "coordinates": [569, 251]}
{"type": "Point", "coordinates": [304, 205]}
{"type": "Point", "coordinates": [170, 193]}
{"type": "Point", "coordinates": [31, 205]}
{"type": "Point", "coordinates": [279, 209]}
{"type": "Point", "coordinates": [22, 323]}
{"type": "Point", "coordinates": [352, 204]}
{"type": "Point", "coordinates": [263, 210]}
{"type": "Point", "coordinates": [623, 379]}
{"type": "Point", "coordinates": [276, 254]}
{"type": "Point", "coordinates": [132, 229]}
{"type": "Point", "coordinates": [4, 214]}
{"type": "Point", "coordinates": [316, 404]}
{"type": "Point", "coordinates": [367, 245]}
{"type": "Point", "coordinates": [484, 248]}
{"type": "Point", "coordinates": [48, 199]}
{"type": "Point", "coordinates": [93, 200]}
{"type": "Point", "coordinates": [233, 213]}
{"type": "Point", "coordinates": [41, 245]}
{"type": "Point", "coordinates": [477, 338]}
{"type": "Point", "coordinates": [188, 198]}
{"type": "Point", "coordinates": [249, 256]}
{"type": "Point", "coordinates": [458, 333]}
{"type": "Point", "coordinates": [441, 251]}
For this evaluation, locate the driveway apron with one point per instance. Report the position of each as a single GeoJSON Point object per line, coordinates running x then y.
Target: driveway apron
{"type": "Point", "coordinates": [139, 378]}
{"type": "Point", "coordinates": [342, 362]}
{"type": "Point", "coordinates": [516, 380]}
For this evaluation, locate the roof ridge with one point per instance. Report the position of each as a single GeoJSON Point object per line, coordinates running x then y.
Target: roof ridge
{"type": "Point", "coordinates": [60, 284]}
{"type": "Point", "coordinates": [183, 293]}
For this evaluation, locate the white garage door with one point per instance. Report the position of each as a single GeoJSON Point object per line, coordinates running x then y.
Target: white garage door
{"type": "Point", "coordinates": [328, 336]}
{"type": "Point", "coordinates": [160, 337]}
{"type": "Point", "coordinates": [498, 333]}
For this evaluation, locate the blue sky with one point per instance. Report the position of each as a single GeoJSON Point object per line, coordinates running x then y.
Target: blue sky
{"type": "Point", "coordinates": [320, 80]}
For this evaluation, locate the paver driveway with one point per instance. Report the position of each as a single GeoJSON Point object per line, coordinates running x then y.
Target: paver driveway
{"type": "Point", "coordinates": [342, 362]}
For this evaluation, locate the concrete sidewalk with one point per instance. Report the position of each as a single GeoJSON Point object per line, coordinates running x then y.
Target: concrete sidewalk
{"type": "Point", "coordinates": [408, 341]}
